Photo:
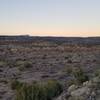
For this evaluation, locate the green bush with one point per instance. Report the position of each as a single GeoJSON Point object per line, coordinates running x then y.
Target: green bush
{"type": "Point", "coordinates": [16, 85]}
{"type": "Point", "coordinates": [38, 91]}
{"type": "Point", "coordinates": [53, 88]}
{"type": "Point", "coordinates": [79, 75]}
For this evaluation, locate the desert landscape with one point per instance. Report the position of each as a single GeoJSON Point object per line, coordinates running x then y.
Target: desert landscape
{"type": "Point", "coordinates": [49, 49]}
{"type": "Point", "coordinates": [49, 68]}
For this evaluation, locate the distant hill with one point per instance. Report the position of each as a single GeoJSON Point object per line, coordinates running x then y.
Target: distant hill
{"type": "Point", "coordinates": [69, 40]}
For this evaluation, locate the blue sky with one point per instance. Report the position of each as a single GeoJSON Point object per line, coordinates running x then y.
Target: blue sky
{"type": "Point", "coordinates": [50, 17]}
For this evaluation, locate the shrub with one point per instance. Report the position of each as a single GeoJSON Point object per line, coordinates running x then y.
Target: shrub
{"type": "Point", "coordinates": [38, 91]}
{"type": "Point", "coordinates": [24, 65]}
{"type": "Point", "coordinates": [16, 84]}
{"type": "Point", "coordinates": [70, 82]}
{"type": "Point", "coordinates": [3, 63]}
{"type": "Point", "coordinates": [80, 76]}
{"type": "Point", "coordinates": [68, 70]}
{"type": "Point", "coordinates": [53, 88]}
{"type": "Point", "coordinates": [28, 64]}
{"type": "Point", "coordinates": [97, 73]}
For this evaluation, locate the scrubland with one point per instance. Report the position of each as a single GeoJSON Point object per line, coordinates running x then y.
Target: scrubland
{"type": "Point", "coordinates": [44, 70]}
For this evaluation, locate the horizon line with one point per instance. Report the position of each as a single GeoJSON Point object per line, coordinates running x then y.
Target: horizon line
{"type": "Point", "coordinates": [48, 35]}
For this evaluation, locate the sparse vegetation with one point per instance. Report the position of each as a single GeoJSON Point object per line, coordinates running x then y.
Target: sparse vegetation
{"type": "Point", "coordinates": [38, 91]}
{"type": "Point", "coordinates": [22, 65]}
{"type": "Point", "coordinates": [15, 84]}
{"type": "Point", "coordinates": [79, 75]}
{"type": "Point", "coordinates": [22, 62]}
{"type": "Point", "coordinates": [3, 63]}
{"type": "Point", "coordinates": [28, 65]}
{"type": "Point", "coordinates": [68, 70]}
{"type": "Point", "coordinates": [97, 73]}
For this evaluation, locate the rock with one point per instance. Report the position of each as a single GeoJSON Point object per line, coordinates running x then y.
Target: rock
{"type": "Point", "coordinates": [88, 91]}
{"type": "Point", "coordinates": [86, 83]}
{"type": "Point", "coordinates": [96, 80]}
{"type": "Point", "coordinates": [72, 88]}
{"type": "Point", "coordinates": [93, 94]}
{"type": "Point", "coordinates": [84, 91]}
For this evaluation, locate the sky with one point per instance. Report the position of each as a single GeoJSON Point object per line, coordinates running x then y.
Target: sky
{"type": "Point", "coordinates": [50, 17]}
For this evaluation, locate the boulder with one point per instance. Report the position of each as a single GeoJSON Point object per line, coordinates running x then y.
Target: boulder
{"type": "Point", "coordinates": [72, 88]}
{"type": "Point", "coordinates": [84, 91]}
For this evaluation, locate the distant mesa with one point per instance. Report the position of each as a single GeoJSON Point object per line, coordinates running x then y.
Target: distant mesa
{"type": "Point", "coordinates": [69, 40]}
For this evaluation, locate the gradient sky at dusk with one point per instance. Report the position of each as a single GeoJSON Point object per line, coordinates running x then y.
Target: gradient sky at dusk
{"type": "Point", "coordinates": [50, 17]}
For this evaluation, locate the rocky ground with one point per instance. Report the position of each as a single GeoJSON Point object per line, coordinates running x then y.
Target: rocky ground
{"type": "Point", "coordinates": [47, 61]}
